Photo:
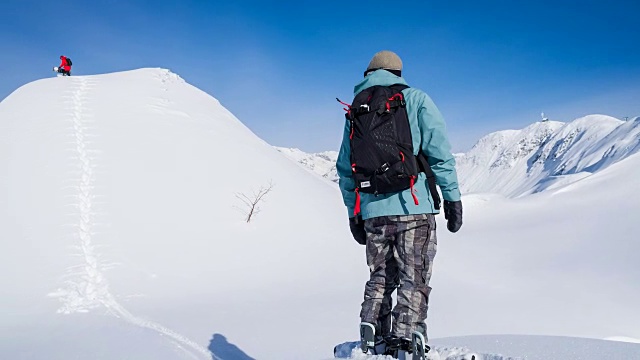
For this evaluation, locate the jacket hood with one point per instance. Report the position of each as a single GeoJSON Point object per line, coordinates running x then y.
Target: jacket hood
{"type": "Point", "coordinates": [378, 77]}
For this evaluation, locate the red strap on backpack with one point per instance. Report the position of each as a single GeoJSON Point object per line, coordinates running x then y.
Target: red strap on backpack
{"type": "Point", "coordinates": [412, 179]}
{"type": "Point", "coordinates": [413, 194]}
{"type": "Point", "coordinates": [356, 209]}
{"type": "Point", "coordinates": [397, 96]}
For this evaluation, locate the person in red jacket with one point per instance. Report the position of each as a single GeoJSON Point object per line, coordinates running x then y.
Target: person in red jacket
{"type": "Point", "coordinates": [65, 66]}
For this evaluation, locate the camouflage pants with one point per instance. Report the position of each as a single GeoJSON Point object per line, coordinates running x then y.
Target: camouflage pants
{"type": "Point", "coordinates": [400, 253]}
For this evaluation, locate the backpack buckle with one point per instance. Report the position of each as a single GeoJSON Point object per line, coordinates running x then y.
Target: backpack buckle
{"type": "Point", "coordinates": [383, 168]}
{"type": "Point", "coordinates": [362, 109]}
{"type": "Point", "coordinates": [384, 108]}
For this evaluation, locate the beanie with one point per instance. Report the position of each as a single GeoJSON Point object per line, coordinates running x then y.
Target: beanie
{"type": "Point", "coordinates": [387, 60]}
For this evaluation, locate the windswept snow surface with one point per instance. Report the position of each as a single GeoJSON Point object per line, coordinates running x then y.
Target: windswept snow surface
{"type": "Point", "coordinates": [542, 347]}
{"type": "Point", "coordinates": [122, 237]}
{"type": "Point", "coordinates": [546, 155]}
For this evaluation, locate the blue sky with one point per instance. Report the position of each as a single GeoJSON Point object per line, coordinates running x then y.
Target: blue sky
{"type": "Point", "coordinates": [278, 66]}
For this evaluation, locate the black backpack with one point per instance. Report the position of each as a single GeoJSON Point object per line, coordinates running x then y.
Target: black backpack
{"type": "Point", "coordinates": [382, 159]}
{"type": "Point", "coordinates": [69, 62]}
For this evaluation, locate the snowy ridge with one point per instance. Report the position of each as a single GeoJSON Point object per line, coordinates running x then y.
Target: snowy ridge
{"type": "Point", "coordinates": [546, 155]}
{"type": "Point", "coordinates": [322, 163]}
{"type": "Point", "coordinates": [120, 199]}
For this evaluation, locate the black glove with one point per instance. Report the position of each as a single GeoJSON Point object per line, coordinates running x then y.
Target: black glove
{"type": "Point", "coordinates": [453, 214]}
{"type": "Point", "coordinates": [356, 225]}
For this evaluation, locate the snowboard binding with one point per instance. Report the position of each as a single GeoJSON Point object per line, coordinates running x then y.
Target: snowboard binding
{"type": "Point", "coordinates": [397, 347]}
{"type": "Point", "coordinates": [370, 343]}
{"type": "Point", "coordinates": [367, 338]}
{"type": "Point", "coordinates": [419, 346]}
{"type": "Point", "coordinates": [392, 345]}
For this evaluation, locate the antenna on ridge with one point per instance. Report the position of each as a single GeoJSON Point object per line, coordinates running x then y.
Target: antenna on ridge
{"type": "Point", "coordinates": [544, 118]}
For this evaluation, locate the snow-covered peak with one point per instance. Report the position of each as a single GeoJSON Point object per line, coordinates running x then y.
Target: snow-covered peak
{"type": "Point", "coordinates": [503, 149]}
{"type": "Point", "coordinates": [322, 163]}
{"type": "Point", "coordinates": [545, 154]}
{"type": "Point", "coordinates": [123, 216]}
{"type": "Point", "coordinates": [161, 74]}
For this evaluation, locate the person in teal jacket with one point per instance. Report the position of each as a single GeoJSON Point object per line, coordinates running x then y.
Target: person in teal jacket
{"type": "Point", "coordinates": [399, 231]}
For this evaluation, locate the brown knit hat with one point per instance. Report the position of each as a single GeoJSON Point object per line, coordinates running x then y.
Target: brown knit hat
{"type": "Point", "coordinates": [385, 60]}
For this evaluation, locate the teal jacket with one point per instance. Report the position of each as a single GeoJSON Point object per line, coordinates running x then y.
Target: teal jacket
{"type": "Point", "coordinates": [428, 133]}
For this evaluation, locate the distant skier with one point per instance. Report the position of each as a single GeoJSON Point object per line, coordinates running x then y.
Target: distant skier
{"type": "Point", "coordinates": [394, 152]}
{"type": "Point", "coordinates": [65, 66]}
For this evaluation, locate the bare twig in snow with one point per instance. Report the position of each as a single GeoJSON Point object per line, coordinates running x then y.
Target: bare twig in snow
{"type": "Point", "coordinates": [250, 208]}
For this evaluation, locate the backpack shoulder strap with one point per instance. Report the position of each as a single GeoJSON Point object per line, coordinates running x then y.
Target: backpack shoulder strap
{"type": "Point", "coordinates": [423, 163]}
{"type": "Point", "coordinates": [423, 166]}
{"type": "Point", "coordinates": [399, 87]}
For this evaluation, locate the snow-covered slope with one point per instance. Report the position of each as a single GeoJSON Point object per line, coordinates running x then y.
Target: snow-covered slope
{"type": "Point", "coordinates": [542, 347]}
{"type": "Point", "coordinates": [120, 224]}
{"type": "Point", "coordinates": [557, 262]}
{"type": "Point", "coordinates": [546, 155]}
{"type": "Point", "coordinates": [323, 163]}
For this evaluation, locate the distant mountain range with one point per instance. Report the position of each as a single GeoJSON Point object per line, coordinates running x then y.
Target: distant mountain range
{"type": "Point", "coordinates": [322, 163]}
{"type": "Point", "coordinates": [513, 163]}
{"type": "Point", "coordinates": [546, 155]}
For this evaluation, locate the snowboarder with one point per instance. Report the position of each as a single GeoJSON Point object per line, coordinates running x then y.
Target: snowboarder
{"type": "Point", "coordinates": [387, 176]}
{"type": "Point", "coordinates": [65, 66]}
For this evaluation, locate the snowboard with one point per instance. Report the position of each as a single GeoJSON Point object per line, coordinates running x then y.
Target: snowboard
{"type": "Point", "coordinates": [344, 350]}
{"type": "Point", "coordinates": [55, 69]}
